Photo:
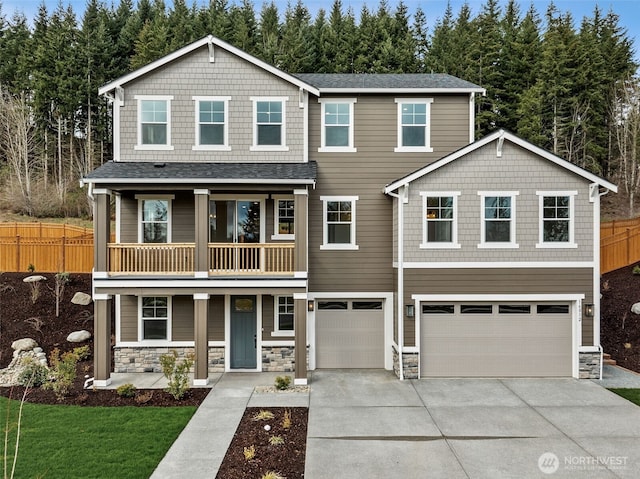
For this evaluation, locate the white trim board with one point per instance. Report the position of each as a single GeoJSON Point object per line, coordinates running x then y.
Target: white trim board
{"type": "Point", "coordinates": [495, 264]}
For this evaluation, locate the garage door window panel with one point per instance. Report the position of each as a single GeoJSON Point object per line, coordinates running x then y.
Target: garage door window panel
{"type": "Point", "coordinates": [323, 305]}
{"type": "Point", "coordinates": [552, 309]}
{"type": "Point", "coordinates": [514, 309]}
{"type": "Point", "coordinates": [476, 309]}
{"type": "Point", "coordinates": [437, 309]}
{"type": "Point", "coordinates": [366, 305]}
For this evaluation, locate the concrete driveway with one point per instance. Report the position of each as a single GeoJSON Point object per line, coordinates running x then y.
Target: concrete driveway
{"type": "Point", "coordinates": [369, 424]}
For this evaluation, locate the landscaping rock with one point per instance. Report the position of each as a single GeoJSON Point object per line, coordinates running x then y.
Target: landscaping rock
{"type": "Point", "coordinates": [24, 344]}
{"type": "Point", "coordinates": [82, 299]}
{"type": "Point", "coordinates": [635, 308]}
{"type": "Point", "coordinates": [78, 336]}
{"type": "Point", "coordinates": [34, 279]}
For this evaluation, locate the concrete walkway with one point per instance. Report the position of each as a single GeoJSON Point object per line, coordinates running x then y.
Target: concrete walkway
{"type": "Point", "coordinates": [618, 377]}
{"type": "Point", "coordinates": [370, 424]}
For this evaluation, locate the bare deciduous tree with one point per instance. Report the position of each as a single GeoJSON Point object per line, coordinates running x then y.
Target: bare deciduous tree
{"type": "Point", "coordinates": [625, 115]}
{"type": "Point", "coordinates": [17, 142]}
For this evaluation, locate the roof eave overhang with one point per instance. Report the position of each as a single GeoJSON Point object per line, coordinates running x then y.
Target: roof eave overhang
{"type": "Point", "coordinates": [403, 90]}
{"type": "Point", "coordinates": [391, 187]}
{"type": "Point", "coordinates": [199, 44]}
{"type": "Point", "coordinates": [212, 181]}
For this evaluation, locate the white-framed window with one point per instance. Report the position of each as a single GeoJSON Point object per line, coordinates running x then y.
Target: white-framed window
{"type": "Point", "coordinates": [339, 222]}
{"type": "Point", "coordinates": [154, 313]}
{"type": "Point", "coordinates": [236, 220]}
{"type": "Point", "coordinates": [498, 213]}
{"type": "Point", "coordinates": [269, 125]}
{"type": "Point", "coordinates": [556, 219]}
{"type": "Point", "coordinates": [284, 216]}
{"type": "Point", "coordinates": [414, 125]}
{"type": "Point", "coordinates": [337, 129]}
{"type": "Point", "coordinates": [212, 123]}
{"type": "Point", "coordinates": [154, 122]}
{"type": "Point", "coordinates": [154, 213]}
{"type": "Point", "coordinates": [283, 323]}
{"type": "Point", "coordinates": [440, 219]}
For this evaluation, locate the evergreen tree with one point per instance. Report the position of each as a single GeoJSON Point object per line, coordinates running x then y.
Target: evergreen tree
{"type": "Point", "coordinates": [269, 34]}
{"type": "Point", "coordinates": [298, 50]}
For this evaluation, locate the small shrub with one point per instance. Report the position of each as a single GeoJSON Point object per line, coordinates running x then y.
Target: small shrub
{"type": "Point", "coordinates": [31, 268]}
{"type": "Point", "coordinates": [35, 291]}
{"type": "Point", "coordinates": [272, 475]}
{"type": "Point", "coordinates": [144, 398]}
{"type": "Point", "coordinates": [249, 453]}
{"type": "Point", "coordinates": [286, 422]}
{"type": "Point", "coordinates": [283, 382]}
{"type": "Point", "coordinates": [82, 352]}
{"type": "Point", "coordinates": [36, 323]}
{"type": "Point", "coordinates": [62, 372]}
{"type": "Point", "coordinates": [636, 270]}
{"type": "Point", "coordinates": [262, 415]}
{"type": "Point", "coordinates": [276, 440]}
{"type": "Point", "coordinates": [177, 372]}
{"type": "Point", "coordinates": [34, 374]}
{"type": "Point", "coordinates": [126, 390]}
{"type": "Point", "coordinates": [61, 281]}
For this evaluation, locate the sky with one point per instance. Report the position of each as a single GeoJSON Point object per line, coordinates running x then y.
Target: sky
{"type": "Point", "coordinates": [628, 10]}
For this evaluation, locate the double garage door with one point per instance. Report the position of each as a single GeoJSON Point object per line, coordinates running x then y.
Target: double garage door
{"type": "Point", "coordinates": [349, 334]}
{"type": "Point", "coordinates": [483, 339]}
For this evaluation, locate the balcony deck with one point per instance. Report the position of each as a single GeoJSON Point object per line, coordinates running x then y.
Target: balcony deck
{"type": "Point", "coordinates": [224, 259]}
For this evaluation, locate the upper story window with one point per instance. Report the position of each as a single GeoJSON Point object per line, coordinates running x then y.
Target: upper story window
{"type": "Point", "coordinates": [498, 219]}
{"type": "Point", "coordinates": [339, 222]}
{"type": "Point", "coordinates": [269, 132]}
{"type": "Point", "coordinates": [556, 219]}
{"type": "Point", "coordinates": [337, 128]}
{"type": "Point", "coordinates": [154, 122]}
{"type": "Point", "coordinates": [414, 125]}
{"type": "Point", "coordinates": [155, 322]}
{"type": "Point", "coordinates": [284, 216]}
{"type": "Point", "coordinates": [155, 219]}
{"type": "Point", "coordinates": [439, 227]}
{"type": "Point", "coordinates": [212, 125]}
{"type": "Point", "coordinates": [284, 316]}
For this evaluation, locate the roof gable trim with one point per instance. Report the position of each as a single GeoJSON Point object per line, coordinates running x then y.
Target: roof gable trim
{"type": "Point", "coordinates": [211, 42]}
{"type": "Point", "coordinates": [499, 135]}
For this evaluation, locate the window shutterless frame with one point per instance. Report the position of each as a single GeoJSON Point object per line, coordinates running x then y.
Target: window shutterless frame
{"type": "Point", "coordinates": [283, 216]}
{"type": "Point", "coordinates": [414, 125]}
{"type": "Point", "coordinates": [498, 219]}
{"type": "Point", "coordinates": [154, 218]}
{"type": "Point", "coordinates": [337, 125]}
{"type": "Point", "coordinates": [556, 217]}
{"type": "Point", "coordinates": [211, 123]}
{"type": "Point", "coordinates": [339, 222]}
{"type": "Point", "coordinates": [283, 323]}
{"type": "Point", "coordinates": [154, 323]}
{"type": "Point", "coordinates": [154, 122]}
{"type": "Point", "coordinates": [439, 219]}
{"type": "Point", "coordinates": [269, 124]}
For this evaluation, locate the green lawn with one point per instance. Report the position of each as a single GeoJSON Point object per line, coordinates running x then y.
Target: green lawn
{"type": "Point", "coordinates": [630, 394]}
{"type": "Point", "coordinates": [90, 442]}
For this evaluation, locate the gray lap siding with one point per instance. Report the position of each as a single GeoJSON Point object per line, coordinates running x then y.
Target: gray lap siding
{"type": "Point", "coordinates": [498, 281]}
{"type": "Point", "coordinates": [364, 174]}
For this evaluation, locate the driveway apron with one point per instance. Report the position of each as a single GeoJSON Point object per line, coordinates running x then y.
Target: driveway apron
{"type": "Point", "coordinates": [370, 424]}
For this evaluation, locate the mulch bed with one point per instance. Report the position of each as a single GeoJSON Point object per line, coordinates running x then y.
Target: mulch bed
{"type": "Point", "coordinates": [21, 317]}
{"type": "Point", "coordinates": [620, 328]}
{"type": "Point", "coordinates": [286, 459]}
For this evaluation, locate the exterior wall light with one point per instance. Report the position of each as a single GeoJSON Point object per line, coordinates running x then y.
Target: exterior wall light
{"type": "Point", "coordinates": [410, 310]}
{"type": "Point", "coordinates": [588, 310]}
{"type": "Point", "coordinates": [311, 305]}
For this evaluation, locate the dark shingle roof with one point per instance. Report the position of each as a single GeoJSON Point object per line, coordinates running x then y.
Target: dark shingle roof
{"type": "Point", "coordinates": [169, 172]}
{"type": "Point", "coordinates": [390, 81]}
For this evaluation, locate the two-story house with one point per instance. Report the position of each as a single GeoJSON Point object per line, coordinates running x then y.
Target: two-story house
{"type": "Point", "coordinates": [265, 221]}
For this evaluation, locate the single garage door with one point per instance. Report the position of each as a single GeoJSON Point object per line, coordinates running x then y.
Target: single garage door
{"type": "Point", "coordinates": [485, 339]}
{"type": "Point", "coordinates": [349, 334]}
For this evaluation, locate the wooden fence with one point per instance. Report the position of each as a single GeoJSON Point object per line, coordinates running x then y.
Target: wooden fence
{"type": "Point", "coordinates": [47, 247]}
{"type": "Point", "coordinates": [619, 244]}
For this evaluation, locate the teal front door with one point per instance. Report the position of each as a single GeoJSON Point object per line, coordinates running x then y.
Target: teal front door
{"type": "Point", "coordinates": [243, 332]}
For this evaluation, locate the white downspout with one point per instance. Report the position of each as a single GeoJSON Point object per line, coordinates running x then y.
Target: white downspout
{"type": "Point", "coordinates": [594, 197]}
{"type": "Point", "coordinates": [401, 198]}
